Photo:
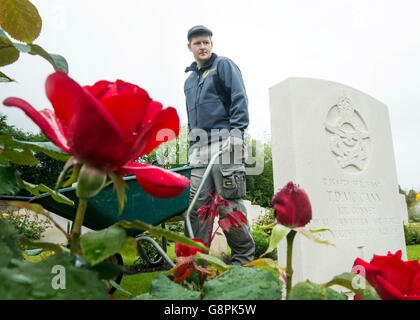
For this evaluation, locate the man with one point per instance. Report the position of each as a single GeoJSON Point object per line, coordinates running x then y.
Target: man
{"type": "Point", "coordinates": [217, 108]}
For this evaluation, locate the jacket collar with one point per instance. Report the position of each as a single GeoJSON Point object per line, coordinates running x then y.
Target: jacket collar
{"type": "Point", "coordinates": [206, 65]}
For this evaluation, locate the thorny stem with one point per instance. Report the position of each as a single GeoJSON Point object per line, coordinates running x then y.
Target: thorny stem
{"type": "Point", "coordinates": [210, 231]}
{"type": "Point", "coordinates": [77, 226]}
{"type": "Point", "coordinates": [289, 270]}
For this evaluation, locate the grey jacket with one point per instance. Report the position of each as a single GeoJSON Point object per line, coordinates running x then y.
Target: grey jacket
{"type": "Point", "coordinates": [216, 98]}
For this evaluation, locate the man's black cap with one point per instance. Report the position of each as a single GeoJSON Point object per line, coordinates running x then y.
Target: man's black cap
{"type": "Point", "coordinates": [198, 30]}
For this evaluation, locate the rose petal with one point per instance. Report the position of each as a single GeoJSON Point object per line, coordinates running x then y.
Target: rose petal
{"type": "Point", "coordinates": [303, 207]}
{"type": "Point", "coordinates": [66, 95]}
{"type": "Point", "coordinates": [97, 139]}
{"type": "Point", "coordinates": [46, 120]}
{"type": "Point", "coordinates": [153, 109]}
{"type": "Point", "coordinates": [163, 127]}
{"type": "Point", "coordinates": [99, 89]}
{"type": "Point", "coordinates": [395, 271]}
{"type": "Point", "coordinates": [415, 285]}
{"type": "Point", "coordinates": [158, 182]}
{"type": "Point", "coordinates": [413, 264]}
{"type": "Point", "coordinates": [128, 111]}
{"type": "Point", "coordinates": [120, 87]}
{"type": "Point", "coordinates": [387, 291]}
{"type": "Point", "coordinates": [370, 271]}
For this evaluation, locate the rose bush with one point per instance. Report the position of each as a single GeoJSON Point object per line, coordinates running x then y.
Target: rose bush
{"type": "Point", "coordinates": [108, 125]}
{"type": "Point", "coordinates": [393, 278]}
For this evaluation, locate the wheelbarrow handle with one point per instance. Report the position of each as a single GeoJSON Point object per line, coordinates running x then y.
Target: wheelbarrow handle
{"type": "Point", "coordinates": [197, 193]}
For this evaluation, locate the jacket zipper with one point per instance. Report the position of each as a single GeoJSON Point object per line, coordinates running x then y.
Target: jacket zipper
{"type": "Point", "coordinates": [200, 86]}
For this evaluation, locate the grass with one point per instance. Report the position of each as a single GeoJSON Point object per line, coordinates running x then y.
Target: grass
{"type": "Point", "coordinates": [139, 283]}
{"type": "Point", "coordinates": [413, 252]}
{"type": "Point", "coordinates": [136, 284]}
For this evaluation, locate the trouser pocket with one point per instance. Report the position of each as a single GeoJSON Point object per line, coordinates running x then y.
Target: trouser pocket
{"type": "Point", "coordinates": [234, 185]}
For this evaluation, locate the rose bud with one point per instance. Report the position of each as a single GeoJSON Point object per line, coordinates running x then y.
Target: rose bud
{"type": "Point", "coordinates": [292, 207]}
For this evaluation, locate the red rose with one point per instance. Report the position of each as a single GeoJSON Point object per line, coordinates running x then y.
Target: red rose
{"type": "Point", "coordinates": [108, 125]}
{"type": "Point", "coordinates": [393, 278]}
{"type": "Point", "coordinates": [181, 250]}
{"type": "Point", "coordinates": [292, 207]}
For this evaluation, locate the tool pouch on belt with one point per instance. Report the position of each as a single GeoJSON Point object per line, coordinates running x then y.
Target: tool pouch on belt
{"type": "Point", "coordinates": [234, 184]}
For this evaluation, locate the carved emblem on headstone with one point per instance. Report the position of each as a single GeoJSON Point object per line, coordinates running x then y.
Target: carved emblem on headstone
{"type": "Point", "coordinates": [348, 136]}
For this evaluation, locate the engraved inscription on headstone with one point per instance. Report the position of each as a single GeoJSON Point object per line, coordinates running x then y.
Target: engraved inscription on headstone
{"type": "Point", "coordinates": [348, 136]}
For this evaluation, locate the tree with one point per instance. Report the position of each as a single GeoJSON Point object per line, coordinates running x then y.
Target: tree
{"type": "Point", "coordinates": [260, 188]}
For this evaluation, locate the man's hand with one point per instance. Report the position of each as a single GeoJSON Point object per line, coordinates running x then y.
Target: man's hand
{"type": "Point", "coordinates": [232, 142]}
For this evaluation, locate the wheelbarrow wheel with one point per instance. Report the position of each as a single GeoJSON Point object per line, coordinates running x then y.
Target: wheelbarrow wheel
{"type": "Point", "coordinates": [117, 259]}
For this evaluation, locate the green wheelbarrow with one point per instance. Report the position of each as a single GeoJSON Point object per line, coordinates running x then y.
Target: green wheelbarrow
{"type": "Point", "coordinates": [102, 210]}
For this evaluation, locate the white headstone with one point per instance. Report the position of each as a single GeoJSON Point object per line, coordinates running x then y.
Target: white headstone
{"type": "Point", "coordinates": [335, 142]}
{"type": "Point", "coordinates": [404, 209]}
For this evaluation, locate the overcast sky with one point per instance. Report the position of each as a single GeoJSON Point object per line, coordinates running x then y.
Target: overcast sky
{"type": "Point", "coordinates": [372, 46]}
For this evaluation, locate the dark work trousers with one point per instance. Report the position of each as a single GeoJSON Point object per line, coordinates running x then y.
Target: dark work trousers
{"type": "Point", "coordinates": [239, 238]}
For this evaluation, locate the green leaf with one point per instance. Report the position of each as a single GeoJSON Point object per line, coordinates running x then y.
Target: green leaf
{"type": "Point", "coordinates": [8, 53]}
{"type": "Point", "coordinates": [108, 270]}
{"type": "Point", "coordinates": [312, 291]}
{"type": "Point", "coordinates": [164, 289]}
{"type": "Point", "coordinates": [22, 47]}
{"type": "Point", "coordinates": [47, 148]}
{"type": "Point", "coordinates": [20, 19]}
{"type": "Point", "coordinates": [355, 283]}
{"type": "Point", "coordinates": [9, 243]}
{"type": "Point", "coordinates": [36, 189]}
{"type": "Point", "coordinates": [42, 245]}
{"type": "Point", "coordinates": [244, 283]}
{"type": "Point", "coordinates": [9, 180]}
{"type": "Point", "coordinates": [60, 62]}
{"type": "Point", "coordinates": [119, 188]}
{"type": "Point", "coordinates": [73, 164]}
{"type": "Point", "coordinates": [308, 234]}
{"type": "Point", "coordinates": [25, 280]}
{"type": "Point", "coordinates": [52, 59]}
{"type": "Point", "coordinates": [266, 263]}
{"type": "Point", "coordinates": [99, 245]}
{"type": "Point", "coordinates": [129, 249]}
{"type": "Point", "coordinates": [4, 78]}
{"type": "Point", "coordinates": [118, 287]}
{"type": "Point", "coordinates": [23, 157]}
{"type": "Point", "coordinates": [277, 234]}
{"type": "Point", "coordinates": [319, 230]}
{"type": "Point", "coordinates": [159, 232]}
{"type": "Point", "coordinates": [219, 264]}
